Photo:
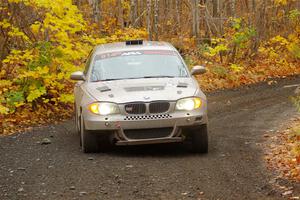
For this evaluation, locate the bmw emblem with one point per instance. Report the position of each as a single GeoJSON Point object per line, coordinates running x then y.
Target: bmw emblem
{"type": "Point", "coordinates": [146, 97]}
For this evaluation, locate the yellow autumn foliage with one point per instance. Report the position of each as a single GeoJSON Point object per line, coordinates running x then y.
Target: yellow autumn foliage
{"type": "Point", "coordinates": [38, 71]}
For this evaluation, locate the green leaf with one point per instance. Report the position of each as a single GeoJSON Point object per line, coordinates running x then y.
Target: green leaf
{"type": "Point", "coordinates": [35, 94]}
{"type": "Point", "coordinates": [14, 97]}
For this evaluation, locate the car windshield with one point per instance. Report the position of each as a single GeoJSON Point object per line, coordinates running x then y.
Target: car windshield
{"type": "Point", "coordinates": [137, 64]}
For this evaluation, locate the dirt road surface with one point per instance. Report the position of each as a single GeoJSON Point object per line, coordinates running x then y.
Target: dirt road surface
{"type": "Point", "coordinates": [233, 168]}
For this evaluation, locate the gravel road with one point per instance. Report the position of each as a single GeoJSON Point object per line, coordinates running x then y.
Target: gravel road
{"type": "Point", "coordinates": [233, 168]}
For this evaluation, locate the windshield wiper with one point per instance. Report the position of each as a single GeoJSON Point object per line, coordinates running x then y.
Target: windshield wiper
{"type": "Point", "coordinates": [159, 77]}
{"type": "Point", "coordinates": [109, 79]}
{"type": "Point", "coordinates": [115, 79]}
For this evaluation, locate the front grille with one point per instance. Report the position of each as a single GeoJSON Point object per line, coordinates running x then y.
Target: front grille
{"type": "Point", "coordinates": [148, 133]}
{"type": "Point", "coordinates": [147, 117]}
{"type": "Point", "coordinates": [159, 107]}
{"type": "Point", "coordinates": [135, 108]}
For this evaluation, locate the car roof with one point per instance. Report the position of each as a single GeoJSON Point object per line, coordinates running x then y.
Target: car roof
{"type": "Point", "coordinates": [121, 46]}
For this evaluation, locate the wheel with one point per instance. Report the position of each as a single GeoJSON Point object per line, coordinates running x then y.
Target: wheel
{"type": "Point", "coordinates": [89, 141]}
{"type": "Point", "coordinates": [198, 139]}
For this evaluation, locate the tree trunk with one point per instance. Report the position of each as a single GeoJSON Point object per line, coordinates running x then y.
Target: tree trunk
{"type": "Point", "coordinates": [141, 12]}
{"type": "Point", "coordinates": [260, 26]}
{"type": "Point", "coordinates": [96, 11]}
{"type": "Point", "coordinates": [133, 12]}
{"type": "Point", "coordinates": [77, 3]}
{"type": "Point", "coordinates": [178, 13]}
{"type": "Point", "coordinates": [232, 8]}
{"type": "Point", "coordinates": [149, 24]}
{"type": "Point", "coordinates": [253, 6]}
{"type": "Point", "coordinates": [195, 20]}
{"type": "Point", "coordinates": [120, 14]}
{"type": "Point", "coordinates": [215, 4]}
{"type": "Point", "coordinates": [220, 21]}
{"type": "Point", "coordinates": [3, 53]}
{"type": "Point", "coordinates": [156, 3]}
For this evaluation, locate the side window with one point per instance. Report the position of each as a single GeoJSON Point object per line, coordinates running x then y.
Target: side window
{"type": "Point", "coordinates": [88, 62]}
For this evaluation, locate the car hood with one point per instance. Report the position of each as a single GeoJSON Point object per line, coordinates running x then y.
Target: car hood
{"type": "Point", "coordinates": [151, 89]}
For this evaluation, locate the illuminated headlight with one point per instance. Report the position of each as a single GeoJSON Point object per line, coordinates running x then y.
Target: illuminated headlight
{"type": "Point", "coordinates": [188, 103]}
{"type": "Point", "coordinates": [104, 108]}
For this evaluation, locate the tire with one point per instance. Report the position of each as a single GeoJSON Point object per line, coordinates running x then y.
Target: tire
{"type": "Point", "coordinates": [89, 140]}
{"type": "Point", "coordinates": [77, 123]}
{"type": "Point", "coordinates": [198, 139]}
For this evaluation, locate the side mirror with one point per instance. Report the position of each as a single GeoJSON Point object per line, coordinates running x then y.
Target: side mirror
{"type": "Point", "coordinates": [77, 76]}
{"type": "Point", "coordinates": [196, 70]}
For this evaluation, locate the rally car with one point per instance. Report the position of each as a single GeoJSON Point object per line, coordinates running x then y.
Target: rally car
{"type": "Point", "coordinates": [139, 92]}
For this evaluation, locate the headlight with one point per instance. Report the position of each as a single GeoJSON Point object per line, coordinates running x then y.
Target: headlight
{"type": "Point", "coordinates": [104, 108]}
{"type": "Point", "coordinates": [188, 103]}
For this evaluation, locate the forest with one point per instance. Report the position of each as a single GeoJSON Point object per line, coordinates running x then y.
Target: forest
{"type": "Point", "coordinates": [43, 41]}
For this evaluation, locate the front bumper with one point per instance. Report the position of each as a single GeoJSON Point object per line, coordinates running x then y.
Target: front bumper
{"type": "Point", "coordinates": [118, 124]}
